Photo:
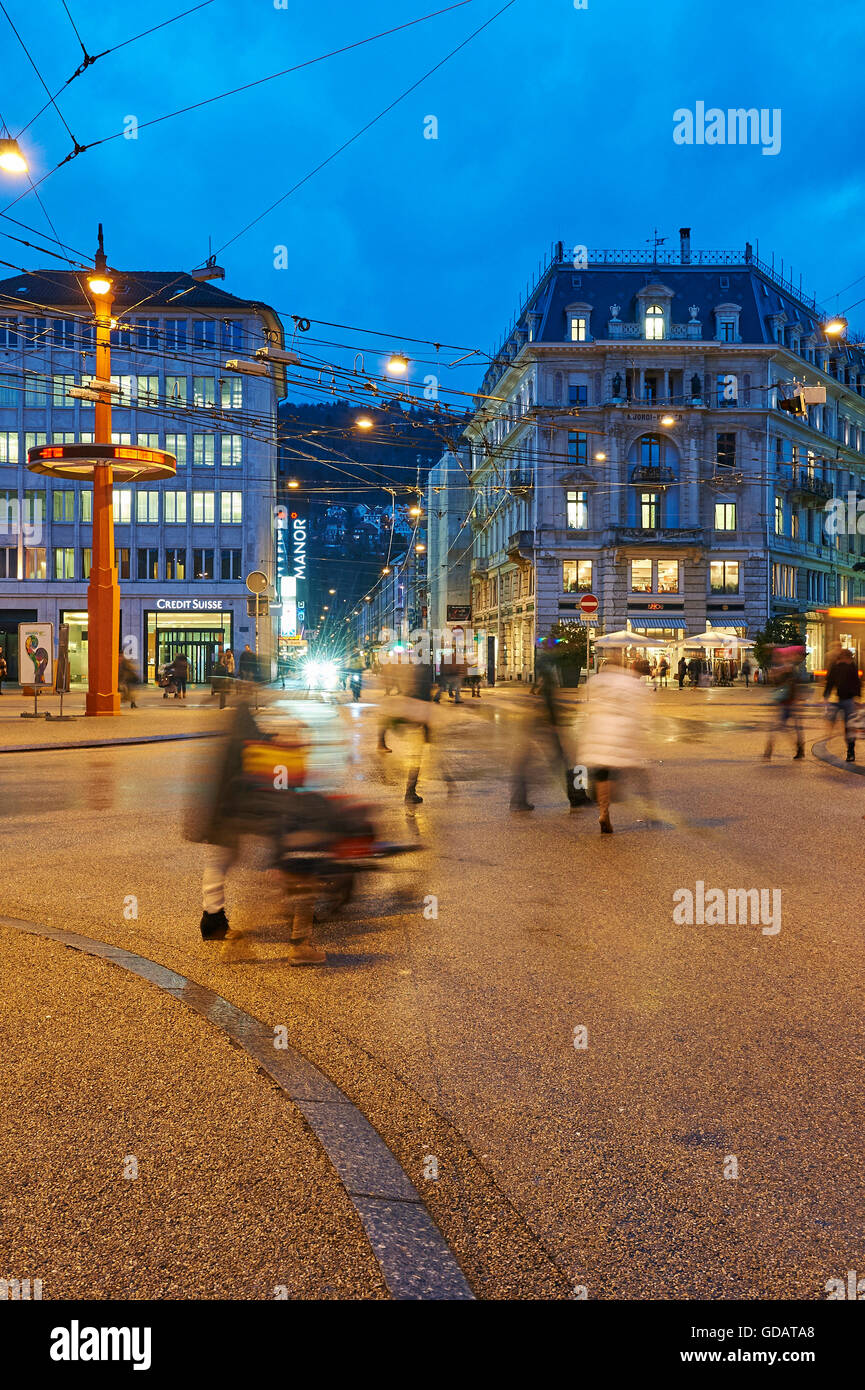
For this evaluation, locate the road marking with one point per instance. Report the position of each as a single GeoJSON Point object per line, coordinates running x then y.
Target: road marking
{"type": "Point", "coordinates": [416, 1261]}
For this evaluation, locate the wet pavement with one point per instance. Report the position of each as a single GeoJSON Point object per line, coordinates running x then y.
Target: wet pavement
{"type": "Point", "coordinates": [448, 1008]}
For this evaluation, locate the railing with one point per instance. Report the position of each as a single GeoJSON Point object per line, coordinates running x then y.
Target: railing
{"type": "Point", "coordinates": [631, 535]}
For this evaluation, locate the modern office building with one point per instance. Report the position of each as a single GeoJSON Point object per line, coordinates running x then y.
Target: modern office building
{"type": "Point", "coordinates": [630, 442]}
{"type": "Point", "coordinates": [185, 545]}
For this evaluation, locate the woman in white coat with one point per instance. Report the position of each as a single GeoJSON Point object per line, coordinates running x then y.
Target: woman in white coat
{"type": "Point", "coordinates": [614, 731]}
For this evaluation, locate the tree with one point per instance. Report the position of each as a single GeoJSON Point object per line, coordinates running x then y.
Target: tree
{"type": "Point", "coordinates": [569, 652]}
{"type": "Point", "coordinates": [778, 632]}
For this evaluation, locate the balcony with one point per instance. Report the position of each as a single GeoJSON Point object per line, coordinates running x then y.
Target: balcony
{"type": "Point", "coordinates": [521, 484]}
{"type": "Point", "coordinates": [520, 546]}
{"type": "Point", "coordinates": [658, 535]}
{"type": "Point", "coordinates": [811, 489]}
{"type": "Point", "coordinates": [652, 473]}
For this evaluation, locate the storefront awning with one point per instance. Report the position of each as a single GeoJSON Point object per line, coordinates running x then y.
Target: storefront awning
{"type": "Point", "coordinates": [675, 622]}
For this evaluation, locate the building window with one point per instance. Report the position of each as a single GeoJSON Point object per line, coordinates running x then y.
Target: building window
{"type": "Point", "coordinates": [641, 576]}
{"type": "Point", "coordinates": [59, 387]}
{"type": "Point", "coordinates": [175, 333]}
{"type": "Point", "coordinates": [33, 332]}
{"type": "Point", "coordinates": [9, 390]}
{"type": "Point", "coordinates": [34, 390]}
{"type": "Point", "coordinates": [230, 564]}
{"type": "Point", "coordinates": [35, 562]}
{"type": "Point", "coordinates": [203, 333]}
{"type": "Point", "coordinates": [128, 389]}
{"type": "Point", "coordinates": [577, 328]}
{"type": "Point", "coordinates": [64, 562]}
{"type": "Point", "coordinates": [726, 389]}
{"type": "Point", "coordinates": [202, 564]}
{"type": "Point", "coordinates": [668, 577]}
{"type": "Point", "coordinates": [148, 563]}
{"type": "Point", "coordinates": [34, 506]}
{"type": "Point", "coordinates": [86, 562]}
{"type": "Point", "coordinates": [175, 388]}
{"type": "Point", "coordinates": [121, 438]}
{"type": "Point", "coordinates": [578, 393]}
{"type": "Point", "coordinates": [63, 333]}
{"type": "Point", "coordinates": [86, 504]}
{"type": "Point", "coordinates": [649, 511]}
{"type": "Point", "coordinates": [147, 333]}
{"type": "Point", "coordinates": [231, 506]}
{"type": "Point", "coordinates": [63, 505]}
{"type": "Point", "coordinates": [35, 441]}
{"type": "Point", "coordinates": [204, 390]}
{"type": "Point", "coordinates": [122, 506]}
{"type": "Point", "coordinates": [654, 322]}
{"type": "Point", "coordinates": [147, 507]}
{"type": "Point", "coordinates": [176, 444]}
{"type": "Point", "coordinates": [203, 449]}
{"type": "Point", "coordinates": [232, 335]}
{"type": "Point", "coordinates": [231, 393]}
{"type": "Point", "coordinates": [578, 447]}
{"type": "Point", "coordinates": [725, 516]}
{"type": "Point", "coordinates": [230, 450]}
{"type": "Point", "coordinates": [8, 447]}
{"type": "Point", "coordinates": [175, 563]}
{"type": "Point", "coordinates": [8, 333]}
{"type": "Point", "coordinates": [650, 451]}
{"type": "Point", "coordinates": [202, 508]}
{"type": "Point", "coordinates": [9, 562]}
{"type": "Point", "coordinates": [123, 554]}
{"type": "Point", "coordinates": [148, 390]}
{"type": "Point", "coordinates": [724, 576]}
{"type": "Point", "coordinates": [174, 508]}
{"type": "Point", "coordinates": [725, 450]}
{"type": "Point", "coordinates": [727, 330]}
{"type": "Point", "coordinates": [577, 511]}
{"type": "Point", "coordinates": [577, 576]}
{"type": "Point", "coordinates": [779, 516]}
{"type": "Point", "coordinates": [147, 441]}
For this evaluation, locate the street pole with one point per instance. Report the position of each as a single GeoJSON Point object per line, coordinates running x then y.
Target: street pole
{"type": "Point", "coordinates": [103, 591]}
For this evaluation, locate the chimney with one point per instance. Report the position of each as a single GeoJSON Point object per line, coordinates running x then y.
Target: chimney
{"type": "Point", "coordinates": [685, 245]}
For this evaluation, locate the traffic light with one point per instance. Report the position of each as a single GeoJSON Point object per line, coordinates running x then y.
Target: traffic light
{"type": "Point", "coordinates": [795, 404]}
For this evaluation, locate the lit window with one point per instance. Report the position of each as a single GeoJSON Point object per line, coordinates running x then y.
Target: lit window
{"type": "Point", "coordinates": [577, 576]}
{"type": "Point", "coordinates": [147, 507]}
{"type": "Point", "coordinates": [654, 322]}
{"type": "Point", "coordinates": [176, 444]}
{"type": "Point", "coordinates": [641, 576]}
{"type": "Point", "coordinates": [122, 501]}
{"type": "Point", "coordinates": [231, 506]}
{"type": "Point", "coordinates": [779, 516]}
{"type": "Point", "coordinates": [577, 328]}
{"type": "Point", "coordinates": [668, 577]}
{"type": "Point", "coordinates": [649, 511]}
{"type": "Point", "coordinates": [231, 393]}
{"type": "Point", "coordinates": [203, 449]}
{"type": "Point", "coordinates": [175, 512]}
{"type": "Point", "coordinates": [230, 450]}
{"type": "Point", "coordinates": [724, 576]}
{"type": "Point", "coordinates": [175, 388]}
{"type": "Point", "coordinates": [204, 390]}
{"type": "Point", "coordinates": [64, 562]}
{"type": "Point", "coordinates": [577, 511]}
{"type": "Point", "coordinates": [725, 516]}
{"type": "Point", "coordinates": [202, 508]}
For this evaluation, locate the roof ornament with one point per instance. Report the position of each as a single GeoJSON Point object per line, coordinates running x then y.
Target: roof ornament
{"type": "Point", "coordinates": [694, 311]}
{"type": "Point", "coordinates": [614, 311]}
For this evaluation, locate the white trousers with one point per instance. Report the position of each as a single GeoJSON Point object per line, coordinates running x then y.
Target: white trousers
{"type": "Point", "coordinates": [218, 859]}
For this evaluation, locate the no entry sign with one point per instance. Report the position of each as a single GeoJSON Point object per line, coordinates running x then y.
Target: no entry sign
{"type": "Point", "coordinates": [588, 605]}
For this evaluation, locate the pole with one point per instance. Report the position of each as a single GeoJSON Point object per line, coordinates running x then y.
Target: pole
{"type": "Point", "coordinates": [103, 591]}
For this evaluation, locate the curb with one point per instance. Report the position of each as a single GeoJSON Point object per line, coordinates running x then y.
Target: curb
{"type": "Point", "coordinates": [108, 742]}
{"type": "Point", "coordinates": [416, 1261]}
{"type": "Point", "coordinates": [821, 752]}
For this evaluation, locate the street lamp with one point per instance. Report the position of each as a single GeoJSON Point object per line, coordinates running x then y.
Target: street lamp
{"type": "Point", "coordinates": [397, 364]}
{"type": "Point", "coordinates": [12, 160]}
{"type": "Point", "coordinates": [363, 422]}
{"type": "Point", "coordinates": [293, 483]}
{"type": "Point", "coordinates": [600, 456]}
{"type": "Point", "coordinates": [835, 327]}
{"type": "Point", "coordinates": [667, 421]}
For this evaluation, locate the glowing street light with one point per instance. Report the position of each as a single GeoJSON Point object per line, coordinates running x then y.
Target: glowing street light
{"type": "Point", "coordinates": [414, 511]}
{"type": "Point", "coordinates": [293, 483]}
{"type": "Point", "coordinates": [397, 365]}
{"type": "Point", "coordinates": [331, 591]}
{"type": "Point", "coordinates": [835, 327]}
{"type": "Point", "coordinates": [600, 456]}
{"type": "Point", "coordinates": [420, 547]}
{"type": "Point", "coordinates": [386, 569]}
{"type": "Point", "coordinates": [363, 422]}
{"type": "Point", "coordinates": [668, 420]}
{"type": "Point", "coordinates": [12, 160]}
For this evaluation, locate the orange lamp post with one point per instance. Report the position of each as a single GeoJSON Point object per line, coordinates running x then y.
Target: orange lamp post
{"type": "Point", "coordinates": [101, 461]}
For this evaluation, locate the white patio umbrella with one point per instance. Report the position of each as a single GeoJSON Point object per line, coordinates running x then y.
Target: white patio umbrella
{"type": "Point", "coordinates": [711, 638]}
{"type": "Point", "coordinates": [620, 639]}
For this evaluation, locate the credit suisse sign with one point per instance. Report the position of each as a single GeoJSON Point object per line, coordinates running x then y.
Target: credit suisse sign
{"type": "Point", "coordinates": [190, 605]}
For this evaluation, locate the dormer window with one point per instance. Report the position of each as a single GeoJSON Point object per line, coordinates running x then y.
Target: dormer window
{"type": "Point", "coordinates": [727, 330]}
{"type": "Point", "coordinates": [654, 322]}
{"type": "Point", "coordinates": [577, 326]}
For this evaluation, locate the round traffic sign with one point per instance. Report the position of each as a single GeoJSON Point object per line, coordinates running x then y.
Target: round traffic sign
{"type": "Point", "coordinates": [256, 581]}
{"type": "Point", "coordinates": [588, 604]}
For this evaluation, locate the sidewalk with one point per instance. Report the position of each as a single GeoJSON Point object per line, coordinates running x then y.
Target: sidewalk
{"type": "Point", "coordinates": [154, 717]}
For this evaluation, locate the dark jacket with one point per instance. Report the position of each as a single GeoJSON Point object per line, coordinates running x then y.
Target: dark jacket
{"type": "Point", "coordinates": [246, 666]}
{"type": "Point", "coordinates": [843, 678]}
{"type": "Point", "coordinates": [180, 667]}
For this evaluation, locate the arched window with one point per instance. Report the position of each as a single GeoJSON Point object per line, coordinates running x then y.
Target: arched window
{"type": "Point", "coordinates": [650, 451]}
{"type": "Point", "coordinates": [654, 322]}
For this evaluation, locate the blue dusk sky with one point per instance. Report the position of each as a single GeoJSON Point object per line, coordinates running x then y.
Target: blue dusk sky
{"type": "Point", "coordinates": [552, 122]}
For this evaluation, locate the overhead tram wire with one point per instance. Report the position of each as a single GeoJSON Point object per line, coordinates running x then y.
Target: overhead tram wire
{"type": "Point", "coordinates": [51, 100]}
{"type": "Point", "coordinates": [364, 128]}
{"type": "Point", "coordinates": [258, 82]}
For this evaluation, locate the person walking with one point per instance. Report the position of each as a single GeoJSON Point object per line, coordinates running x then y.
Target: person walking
{"type": "Point", "coordinates": [694, 668]}
{"type": "Point", "coordinates": [613, 735]}
{"type": "Point", "coordinates": [4, 671]}
{"type": "Point", "coordinates": [746, 673]}
{"type": "Point", "coordinates": [180, 669]}
{"type": "Point", "coordinates": [127, 679]}
{"type": "Point", "coordinates": [842, 678]}
{"type": "Point", "coordinates": [784, 676]}
{"type": "Point", "coordinates": [246, 668]}
{"type": "Point", "coordinates": [544, 725]}
{"type": "Point", "coordinates": [228, 662]}
{"type": "Point", "coordinates": [663, 671]}
{"type": "Point", "coordinates": [682, 671]}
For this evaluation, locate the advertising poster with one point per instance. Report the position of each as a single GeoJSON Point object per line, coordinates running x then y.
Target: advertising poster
{"type": "Point", "coordinates": [36, 657]}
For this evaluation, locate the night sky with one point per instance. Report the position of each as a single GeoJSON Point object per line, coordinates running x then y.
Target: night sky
{"type": "Point", "coordinates": [553, 123]}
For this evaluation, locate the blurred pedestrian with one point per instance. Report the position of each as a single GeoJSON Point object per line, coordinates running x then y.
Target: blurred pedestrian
{"type": "Point", "coordinates": [247, 667]}
{"type": "Point", "coordinates": [355, 673]}
{"type": "Point", "coordinates": [746, 672]}
{"type": "Point", "coordinates": [682, 671]}
{"type": "Point", "coordinates": [180, 673]}
{"type": "Point", "coordinates": [663, 670]}
{"type": "Point", "coordinates": [4, 671]}
{"type": "Point", "coordinates": [228, 662]}
{"type": "Point", "coordinates": [544, 725]}
{"type": "Point", "coordinates": [842, 678]}
{"type": "Point", "coordinates": [127, 679]}
{"type": "Point", "coordinates": [694, 669]}
{"type": "Point", "coordinates": [612, 739]}
{"type": "Point", "coordinates": [784, 677]}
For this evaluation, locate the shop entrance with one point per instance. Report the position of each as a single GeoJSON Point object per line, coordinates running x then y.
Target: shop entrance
{"type": "Point", "coordinates": [9, 620]}
{"type": "Point", "coordinates": [77, 645]}
{"type": "Point", "coordinates": [199, 637]}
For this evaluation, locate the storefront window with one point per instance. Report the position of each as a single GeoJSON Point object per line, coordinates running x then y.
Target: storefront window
{"type": "Point", "coordinates": [641, 576]}
{"type": "Point", "coordinates": [668, 576]}
{"type": "Point", "coordinates": [577, 576]}
{"type": "Point", "coordinates": [724, 576]}
{"type": "Point", "coordinates": [35, 564]}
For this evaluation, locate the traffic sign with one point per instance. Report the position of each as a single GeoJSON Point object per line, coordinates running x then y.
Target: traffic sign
{"type": "Point", "coordinates": [588, 604]}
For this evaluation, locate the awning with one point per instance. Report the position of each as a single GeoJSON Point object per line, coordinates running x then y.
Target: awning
{"type": "Point", "coordinates": [673, 621]}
